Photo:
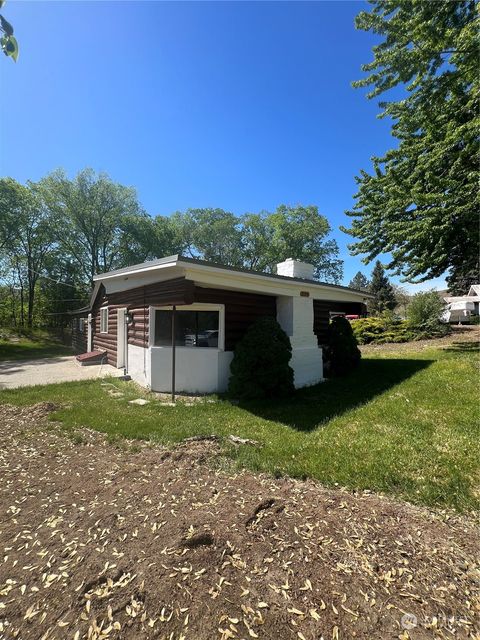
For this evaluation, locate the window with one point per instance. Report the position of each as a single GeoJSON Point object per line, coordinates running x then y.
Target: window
{"type": "Point", "coordinates": [81, 325]}
{"type": "Point", "coordinates": [193, 328]}
{"type": "Point", "coordinates": [104, 320]}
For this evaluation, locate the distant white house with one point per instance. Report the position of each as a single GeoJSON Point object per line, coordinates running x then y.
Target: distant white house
{"type": "Point", "coordinates": [462, 308]}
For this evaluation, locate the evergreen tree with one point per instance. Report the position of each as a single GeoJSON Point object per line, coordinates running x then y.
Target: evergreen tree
{"type": "Point", "coordinates": [359, 282]}
{"type": "Point", "coordinates": [381, 288]}
{"type": "Point", "coordinates": [420, 203]}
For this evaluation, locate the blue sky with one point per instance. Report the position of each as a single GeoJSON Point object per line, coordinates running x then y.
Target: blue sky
{"type": "Point", "coordinates": [238, 105]}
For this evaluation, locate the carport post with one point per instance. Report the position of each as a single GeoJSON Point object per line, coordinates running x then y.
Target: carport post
{"type": "Point", "coordinates": [173, 352]}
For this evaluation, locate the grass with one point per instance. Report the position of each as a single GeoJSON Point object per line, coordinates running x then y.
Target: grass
{"type": "Point", "coordinates": [36, 345]}
{"type": "Point", "coordinates": [405, 423]}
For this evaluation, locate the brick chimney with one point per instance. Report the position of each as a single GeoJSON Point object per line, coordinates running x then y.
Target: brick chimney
{"type": "Point", "coordinates": [295, 269]}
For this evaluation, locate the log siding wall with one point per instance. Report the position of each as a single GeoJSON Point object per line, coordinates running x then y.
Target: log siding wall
{"type": "Point", "coordinates": [241, 310]}
{"type": "Point", "coordinates": [178, 291]}
{"type": "Point", "coordinates": [321, 315]}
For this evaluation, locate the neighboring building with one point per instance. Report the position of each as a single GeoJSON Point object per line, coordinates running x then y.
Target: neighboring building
{"type": "Point", "coordinates": [130, 319]}
{"type": "Point", "coordinates": [462, 308]}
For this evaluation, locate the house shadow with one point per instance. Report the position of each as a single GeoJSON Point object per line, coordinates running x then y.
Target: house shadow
{"type": "Point", "coordinates": [308, 408]}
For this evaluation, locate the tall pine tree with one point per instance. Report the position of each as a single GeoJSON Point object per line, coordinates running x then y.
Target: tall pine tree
{"type": "Point", "coordinates": [420, 203]}
{"type": "Point", "coordinates": [384, 295]}
{"type": "Point", "coordinates": [359, 282]}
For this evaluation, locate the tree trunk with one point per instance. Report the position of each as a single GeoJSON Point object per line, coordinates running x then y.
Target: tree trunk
{"type": "Point", "coordinates": [31, 298]}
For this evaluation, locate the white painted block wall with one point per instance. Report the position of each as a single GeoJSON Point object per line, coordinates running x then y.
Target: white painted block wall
{"type": "Point", "coordinates": [139, 365]}
{"type": "Point", "coordinates": [295, 316]}
{"type": "Point", "coordinates": [196, 370]}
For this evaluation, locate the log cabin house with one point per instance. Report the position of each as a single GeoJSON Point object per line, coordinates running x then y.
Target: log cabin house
{"type": "Point", "coordinates": [209, 306]}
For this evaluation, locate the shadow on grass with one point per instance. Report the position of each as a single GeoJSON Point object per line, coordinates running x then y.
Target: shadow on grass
{"type": "Point", "coordinates": [464, 347]}
{"type": "Point", "coordinates": [312, 406]}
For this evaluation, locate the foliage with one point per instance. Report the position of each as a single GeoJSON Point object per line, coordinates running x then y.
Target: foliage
{"type": "Point", "coordinates": [420, 203]}
{"type": "Point", "coordinates": [26, 230]}
{"type": "Point", "coordinates": [359, 282]}
{"type": "Point", "coordinates": [381, 428]}
{"type": "Point", "coordinates": [58, 233]}
{"type": "Point", "coordinates": [260, 240]}
{"type": "Point", "coordinates": [425, 310]}
{"type": "Point", "coordinates": [300, 232]}
{"type": "Point", "coordinates": [88, 215]}
{"type": "Point", "coordinates": [382, 329]}
{"type": "Point", "coordinates": [403, 300]}
{"type": "Point", "coordinates": [8, 42]}
{"type": "Point", "coordinates": [260, 363]}
{"type": "Point", "coordinates": [342, 352]}
{"type": "Point", "coordinates": [382, 290]}
{"type": "Point", "coordinates": [213, 234]}
{"type": "Point", "coordinates": [423, 322]}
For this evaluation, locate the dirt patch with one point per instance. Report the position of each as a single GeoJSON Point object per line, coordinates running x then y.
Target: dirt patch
{"type": "Point", "coordinates": [99, 542]}
{"type": "Point", "coordinates": [466, 334]}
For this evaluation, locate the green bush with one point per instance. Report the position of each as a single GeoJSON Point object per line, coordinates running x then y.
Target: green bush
{"type": "Point", "coordinates": [260, 366]}
{"type": "Point", "coordinates": [425, 310]}
{"type": "Point", "coordinates": [381, 329]}
{"type": "Point", "coordinates": [342, 352]}
{"type": "Point", "coordinates": [422, 323]}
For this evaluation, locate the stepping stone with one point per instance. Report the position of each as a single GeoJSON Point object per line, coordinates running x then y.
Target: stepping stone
{"type": "Point", "coordinates": [115, 394]}
{"type": "Point", "coordinates": [139, 401]}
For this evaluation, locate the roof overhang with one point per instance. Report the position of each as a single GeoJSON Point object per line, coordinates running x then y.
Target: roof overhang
{"type": "Point", "coordinates": [209, 274]}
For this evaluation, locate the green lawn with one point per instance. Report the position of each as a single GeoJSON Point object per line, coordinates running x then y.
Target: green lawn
{"type": "Point", "coordinates": [39, 345]}
{"type": "Point", "coordinates": [405, 423]}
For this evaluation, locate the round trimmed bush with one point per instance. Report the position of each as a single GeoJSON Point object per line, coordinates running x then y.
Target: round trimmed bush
{"type": "Point", "coordinates": [260, 366]}
{"type": "Point", "coordinates": [342, 351]}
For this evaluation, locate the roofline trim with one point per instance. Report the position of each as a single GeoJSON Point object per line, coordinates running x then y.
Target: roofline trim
{"type": "Point", "coordinates": [177, 260]}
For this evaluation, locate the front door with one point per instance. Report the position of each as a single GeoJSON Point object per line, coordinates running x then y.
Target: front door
{"type": "Point", "coordinates": [121, 337]}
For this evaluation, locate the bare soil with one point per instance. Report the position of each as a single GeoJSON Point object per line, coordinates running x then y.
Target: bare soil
{"type": "Point", "coordinates": [100, 541]}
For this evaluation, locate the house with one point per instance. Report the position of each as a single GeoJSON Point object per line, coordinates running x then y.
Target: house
{"type": "Point", "coordinates": [180, 318]}
{"type": "Point", "coordinates": [462, 308]}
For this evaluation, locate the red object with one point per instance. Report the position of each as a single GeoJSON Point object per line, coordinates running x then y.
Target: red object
{"type": "Point", "coordinates": [352, 317]}
{"type": "Point", "coordinates": [90, 355]}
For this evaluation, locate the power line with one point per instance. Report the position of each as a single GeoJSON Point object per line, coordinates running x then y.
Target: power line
{"type": "Point", "coordinates": [65, 284]}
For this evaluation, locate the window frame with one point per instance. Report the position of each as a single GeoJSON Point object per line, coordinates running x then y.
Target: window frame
{"type": "Point", "coordinates": [103, 313]}
{"type": "Point", "coordinates": [189, 307]}
{"type": "Point", "coordinates": [81, 325]}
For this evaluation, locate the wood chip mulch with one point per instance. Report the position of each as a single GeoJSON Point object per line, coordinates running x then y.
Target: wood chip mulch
{"type": "Point", "coordinates": [101, 542]}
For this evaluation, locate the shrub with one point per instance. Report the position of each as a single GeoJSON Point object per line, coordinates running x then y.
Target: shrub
{"type": "Point", "coordinates": [425, 310]}
{"type": "Point", "coordinates": [342, 351]}
{"type": "Point", "coordinates": [260, 363]}
{"type": "Point", "coordinates": [381, 329]}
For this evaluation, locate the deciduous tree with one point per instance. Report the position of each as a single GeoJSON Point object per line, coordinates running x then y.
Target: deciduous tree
{"type": "Point", "coordinates": [89, 214]}
{"type": "Point", "coordinates": [29, 240]}
{"type": "Point", "coordinates": [420, 204]}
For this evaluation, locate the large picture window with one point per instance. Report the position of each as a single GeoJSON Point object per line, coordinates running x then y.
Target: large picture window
{"type": "Point", "coordinates": [193, 328]}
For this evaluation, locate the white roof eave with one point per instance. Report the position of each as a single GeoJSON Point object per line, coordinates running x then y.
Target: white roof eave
{"type": "Point", "coordinates": [214, 275]}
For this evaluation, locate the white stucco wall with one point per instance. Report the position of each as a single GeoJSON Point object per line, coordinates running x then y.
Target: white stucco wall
{"type": "Point", "coordinates": [139, 365]}
{"type": "Point", "coordinates": [295, 316]}
{"type": "Point", "coordinates": [197, 370]}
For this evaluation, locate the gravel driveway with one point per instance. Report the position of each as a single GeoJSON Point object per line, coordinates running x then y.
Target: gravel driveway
{"type": "Point", "coordinates": [24, 373]}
